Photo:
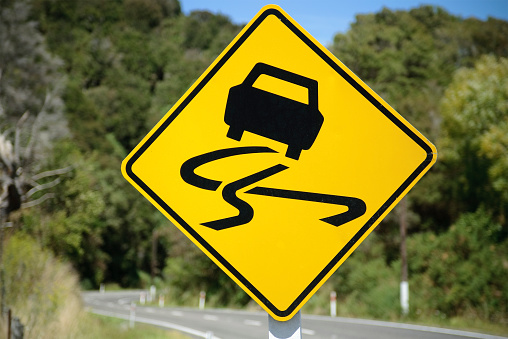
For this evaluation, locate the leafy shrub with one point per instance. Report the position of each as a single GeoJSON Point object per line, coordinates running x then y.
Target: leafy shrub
{"type": "Point", "coordinates": [41, 290]}
{"type": "Point", "coordinates": [462, 272]}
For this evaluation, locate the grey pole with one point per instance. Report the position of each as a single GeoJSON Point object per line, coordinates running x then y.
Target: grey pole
{"type": "Point", "coordinates": [291, 329]}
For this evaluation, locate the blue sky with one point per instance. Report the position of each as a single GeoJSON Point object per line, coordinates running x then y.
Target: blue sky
{"type": "Point", "coordinates": [323, 18]}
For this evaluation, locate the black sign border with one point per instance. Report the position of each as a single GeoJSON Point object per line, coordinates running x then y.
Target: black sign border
{"type": "Point", "coordinates": [419, 170]}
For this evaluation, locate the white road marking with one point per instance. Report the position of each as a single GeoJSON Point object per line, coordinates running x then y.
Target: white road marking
{"type": "Point", "coordinates": [157, 323]}
{"type": "Point", "coordinates": [252, 322]}
{"type": "Point", "coordinates": [307, 331]}
{"type": "Point", "coordinates": [405, 326]}
{"type": "Point", "coordinates": [210, 317]}
{"type": "Point", "coordinates": [177, 313]}
{"type": "Point", "coordinates": [124, 301]}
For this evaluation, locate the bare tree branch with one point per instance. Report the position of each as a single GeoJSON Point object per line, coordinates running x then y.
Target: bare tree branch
{"type": "Point", "coordinates": [35, 127]}
{"type": "Point", "coordinates": [41, 187]}
{"type": "Point", "coordinates": [38, 201]}
{"type": "Point", "coordinates": [4, 195]}
{"type": "Point", "coordinates": [17, 146]}
{"type": "Point", "coordinates": [58, 171]}
{"type": "Point", "coordinates": [5, 152]}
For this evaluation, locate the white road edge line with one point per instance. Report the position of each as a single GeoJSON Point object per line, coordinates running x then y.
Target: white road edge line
{"type": "Point", "coordinates": [405, 326]}
{"type": "Point", "coordinates": [156, 323]}
{"type": "Point", "coordinates": [307, 331]}
{"type": "Point", "coordinates": [252, 322]}
{"type": "Point", "coordinates": [211, 317]}
{"type": "Point", "coordinates": [124, 301]}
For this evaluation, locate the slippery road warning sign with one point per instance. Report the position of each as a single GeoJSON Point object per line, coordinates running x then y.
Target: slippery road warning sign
{"type": "Point", "coordinates": [278, 162]}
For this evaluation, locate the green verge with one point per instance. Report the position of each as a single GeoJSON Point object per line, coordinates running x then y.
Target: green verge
{"type": "Point", "coordinates": [95, 326]}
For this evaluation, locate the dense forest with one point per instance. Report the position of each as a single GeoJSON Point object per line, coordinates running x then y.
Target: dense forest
{"type": "Point", "coordinates": [81, 82]}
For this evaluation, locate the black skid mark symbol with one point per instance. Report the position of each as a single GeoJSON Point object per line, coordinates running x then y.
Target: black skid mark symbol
{"type": "Point", "coordinates": [356, 207]}
{"type": "Point", "coordinates": [246, 213]}
{"type": "Point", "coordinates": [188, 167]}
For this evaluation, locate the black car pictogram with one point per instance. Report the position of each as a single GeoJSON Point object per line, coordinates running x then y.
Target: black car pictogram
{"type": "Point", "coordinates": [273, 116]}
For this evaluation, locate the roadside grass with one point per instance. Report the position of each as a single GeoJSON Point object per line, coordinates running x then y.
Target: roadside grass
{"type": "Point", "coordinates": [95, 326]}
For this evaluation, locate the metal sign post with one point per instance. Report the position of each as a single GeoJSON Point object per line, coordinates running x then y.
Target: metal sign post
{"type": "Point", "coordinates": [290, 329]}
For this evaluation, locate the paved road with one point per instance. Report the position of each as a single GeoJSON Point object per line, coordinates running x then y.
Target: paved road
{"type": "Point", "coordinates": [229, 324]}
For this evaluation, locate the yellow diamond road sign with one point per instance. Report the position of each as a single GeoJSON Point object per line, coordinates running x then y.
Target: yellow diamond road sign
{"type": "Point", "coordinates": [278, 162]}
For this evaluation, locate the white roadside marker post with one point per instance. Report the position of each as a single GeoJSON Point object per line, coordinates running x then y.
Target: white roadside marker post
{"type": "Point", "coordinates": [404, 297]}
{"type": "Point", "coordinates": [291, 329]}
{"type": "Point", "coordinates": [333, 304]}
{"type": "Point", "coordinates": [202, 297]}
{"type": "Point", "coordinates": [132, 315]}
{"type": "Point", "coordinates": [153, 291]}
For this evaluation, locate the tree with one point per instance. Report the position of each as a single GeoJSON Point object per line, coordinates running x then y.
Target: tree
{"type": "Point", "coordinates": [462, 272]}
{"type": "Point", "coordinates": [409, 58]}
{"type": "Point", "coordinates": [188, 271]}
{"type": "Point", "coordinates": [474, 142]}
{"type": "Point", "coordinates": [29, 81]}
{"type": "Point", "coordinates": [27, 69]}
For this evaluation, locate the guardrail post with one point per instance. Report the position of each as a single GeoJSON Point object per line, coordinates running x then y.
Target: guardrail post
{"type": "Point", "coordinates": [291, 329]}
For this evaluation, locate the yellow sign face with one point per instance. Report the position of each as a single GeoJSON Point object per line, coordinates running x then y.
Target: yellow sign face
{"type": "Point", "coordinates": [278, 162]}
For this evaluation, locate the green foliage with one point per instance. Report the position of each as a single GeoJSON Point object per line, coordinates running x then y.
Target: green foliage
{"type": "Point", "coordinates": [119, 100]}
{"type": "Point", "coordinates": [410, 59]}
{"type": "Point", "coordinates": [28, 71]}
{"type": "Point", "coordinates": [128, 61]}
{"type": "Point", "coordinates": [459, 273]}
{"type": "Point", "coordinates": [189, 271]}
{"type": "Point", "coordinates": [70, 223]}
{"type": "Point", "coordinates": [101, 327]}
{"type": "Point", "coordinates": [87, 126]}
{"type": "Point", "coordinates": [463, 271]}
{"type": "Point", "coordinates": [146, 14]}
{"type": "Point", "coordinates": [366, 285]}
{"type": "Point", "coordinates": [40, 289]}
{"type": "Point", "coordinates": [125, 60]}
{"type": "Point", "coordinates": [474, 143]}
{"type": "Point", "coordinates": [201, 29]}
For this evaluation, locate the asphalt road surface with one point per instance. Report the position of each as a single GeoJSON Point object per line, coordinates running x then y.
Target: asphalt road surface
{"type": "Point", "coordinates": [232, 324]}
